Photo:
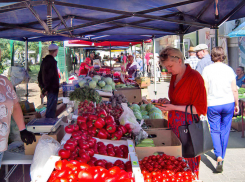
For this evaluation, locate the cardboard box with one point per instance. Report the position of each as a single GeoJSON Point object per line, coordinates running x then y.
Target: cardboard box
{"type": "Point", "coordinates": [156, 123]}
{"type": "Point", "coordinates": [143, 82]}
{"type": "Point", "coordinates": [27, 107]}
{"type": "Point", "coordinates": [236, 125]}
{"type": "Point", "coordinates": [145, 93]}
{"type": "Point", "coordinates": [132, 94]}
{"type": "Point", "coordinates": [165, 141]}
{"type": "Point", "coordinates": [57, 135]}
{"type": "Point", "coordinates": [30, 116]}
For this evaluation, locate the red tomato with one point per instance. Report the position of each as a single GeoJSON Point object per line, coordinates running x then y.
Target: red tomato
{"type": "Point", "coordinates": [69, 146]}
{"type": "Point", "coordinates": [148, 180]}
{"type": "Point", "coordinates": [148, 175]}
{"type": "Point", "coordinates": [64, 154]}
{"type": "Point", "coordinates": [84, 166]}
{"type": "Point", "coordinates": [69, 129]}
{"type": "Point", "coordinates": [85, 176]}
{"type": "Point", "coordinates": [115, 170]}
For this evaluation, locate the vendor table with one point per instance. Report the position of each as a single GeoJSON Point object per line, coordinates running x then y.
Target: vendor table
{"type": "Point", "coordinates": [242, 110]}
{"type": "Point", "coordinates": [10, 158]}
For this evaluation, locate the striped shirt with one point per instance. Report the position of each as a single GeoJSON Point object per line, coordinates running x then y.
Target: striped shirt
{"type": "Point", "coordinates": [192, 61]}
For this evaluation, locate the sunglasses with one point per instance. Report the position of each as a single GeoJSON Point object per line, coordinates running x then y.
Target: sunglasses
{"type": "Point", "coordinates": [165, 56]}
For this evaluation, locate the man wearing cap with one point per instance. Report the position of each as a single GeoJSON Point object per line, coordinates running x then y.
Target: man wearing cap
{"type": "Point", "coordinates": [192, 60]}
{"type": "Point", "coordinates": [48, 80]}
{"type": "Point", "coordinates": [203, 55]}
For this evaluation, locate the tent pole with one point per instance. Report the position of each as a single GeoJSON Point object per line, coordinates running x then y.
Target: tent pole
{"type": "Point", "coordinates": [154, 67]}
{"type": "Point", "coordinates": [197, 37]}
{"type": "Point", "coordinates": [181, 42]}
{"type": "Point", "coordinates": [110, 55]}
{"type": "Point", "coordinates": [26, 65]}
{"type": "Point", "coordinates": [216, 38]}
{"type": "Point", "coordinates": [143, 58]}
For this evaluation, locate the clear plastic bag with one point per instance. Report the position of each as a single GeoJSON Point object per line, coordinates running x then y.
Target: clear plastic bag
{"type": "Point", "coordinates": [46, 147]}
{"type": "Point", "coordinates": [128, 117]}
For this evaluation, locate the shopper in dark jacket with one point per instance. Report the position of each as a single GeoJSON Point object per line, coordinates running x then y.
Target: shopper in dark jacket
{"type": "Point", "coordinates": [48, 80]}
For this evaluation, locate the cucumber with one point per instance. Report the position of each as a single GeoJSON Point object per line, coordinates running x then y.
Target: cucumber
{"type": "Point", "coordinates": [147, 141]}
{"type": "Point", "coordinates": [145, 145]}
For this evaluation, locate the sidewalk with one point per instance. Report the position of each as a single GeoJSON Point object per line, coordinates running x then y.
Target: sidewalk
{"type": "Point", "coordinates": [234, 165]}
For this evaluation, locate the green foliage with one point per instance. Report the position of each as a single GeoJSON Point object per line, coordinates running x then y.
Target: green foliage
{"type": "Point", "coordinates": [241, 90]}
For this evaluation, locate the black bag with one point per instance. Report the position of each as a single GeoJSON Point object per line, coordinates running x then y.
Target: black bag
{"type": "Point", "coordinates": [195, 138]}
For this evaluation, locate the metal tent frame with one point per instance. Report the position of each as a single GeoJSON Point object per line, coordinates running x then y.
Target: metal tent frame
{"type": "Point", "coordinates": [48, 20]}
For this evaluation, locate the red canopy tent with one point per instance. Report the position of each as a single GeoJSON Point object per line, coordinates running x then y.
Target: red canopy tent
{"type": "Point", "coordinates": [106, 43]}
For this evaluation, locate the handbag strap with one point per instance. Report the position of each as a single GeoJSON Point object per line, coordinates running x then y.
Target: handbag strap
{"type": "Point", "coordinates": [186, 123]}
{"type": "Point", "coordinates": [192, 114]}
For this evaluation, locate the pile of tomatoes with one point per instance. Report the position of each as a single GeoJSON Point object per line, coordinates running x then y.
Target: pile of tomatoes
{"type": "Point", "coordinates": [165, 168]}
{"type": "Point", "coordinates": [74, 171]}
{"type": "Point", "coordinates": [102, 126]}
{"type": "Point", "coordinates": [166, 176]}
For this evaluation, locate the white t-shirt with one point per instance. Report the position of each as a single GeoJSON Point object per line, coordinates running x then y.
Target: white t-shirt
{"type": "Point", "coordinates": [219, 77]}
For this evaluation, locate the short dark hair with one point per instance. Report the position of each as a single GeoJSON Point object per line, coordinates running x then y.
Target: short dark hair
{"type": "Point", "coordinates": [218, 54]}
{"type": "Point", "coordinates": [242, 68]}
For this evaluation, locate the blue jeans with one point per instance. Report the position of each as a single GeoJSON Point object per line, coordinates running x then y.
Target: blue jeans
{"type": "Point", "coordinates": [1, 158]}
{"type": "Point", "coordinates": [51, 105]}
{"type": "Point", "coordinates": [220, 118]}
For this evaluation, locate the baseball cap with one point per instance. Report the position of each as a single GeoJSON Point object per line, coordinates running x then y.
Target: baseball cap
{"type": "Point", "coordinates": [52, 47]}
{"type": "Point", "coordinates": [201, 47]}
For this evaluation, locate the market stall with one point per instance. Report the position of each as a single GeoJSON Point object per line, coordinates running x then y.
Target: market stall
{"type": "Point", "coordinates": [33, 20]}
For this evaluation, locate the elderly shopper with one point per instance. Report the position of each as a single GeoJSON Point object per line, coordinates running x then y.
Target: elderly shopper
{"type": "Point", "coordinates": [192, 60]}
{"type": "Point", "coordinates": [186, 88]}
{"type": "Point", "coordinates": [203, 55]}
{"type": "Point", "coordinates": [220, 82]}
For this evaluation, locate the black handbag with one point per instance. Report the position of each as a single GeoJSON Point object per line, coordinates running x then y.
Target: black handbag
{"type": "Point", "coordinates": [195, 138]}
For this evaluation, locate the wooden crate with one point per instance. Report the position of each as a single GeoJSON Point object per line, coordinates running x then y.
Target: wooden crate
{"type": "Point", "coordinates": [143, 82]}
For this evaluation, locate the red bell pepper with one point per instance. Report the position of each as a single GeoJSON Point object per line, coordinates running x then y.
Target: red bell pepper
{"type": "Point", "coordinates": [128, 127]}
{"type": "Point", "coordinates": [109, 119]}
{"type": "Point", "coordinates": [92, 118]}
{"type": "Point", "coordinates": [117, 135]}
{"type": "Point", "coordinates": [99, 123]}
{"type": "Point", "coordinates": [103, 134]}
{"type": "Point", "coordinates": [102, 113]}
{"type": "Point", "coordinates": [90, 124]}
{"type": "Point", "coordinates": [81, 119]}
{"type": "Point", "coordinates": [122, 129]}
{"type": "Point", "coordinates": [111, 128]}
{"type": "Point", "coordinates": [83, 126]}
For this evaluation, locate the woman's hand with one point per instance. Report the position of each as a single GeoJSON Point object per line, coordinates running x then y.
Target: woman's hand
{"type": "Point", "coordinates": [163, 101]}
{"type": "Point", "coordinates": [168, 107]}
{"type": "Point", "coordinates": [236, 109]}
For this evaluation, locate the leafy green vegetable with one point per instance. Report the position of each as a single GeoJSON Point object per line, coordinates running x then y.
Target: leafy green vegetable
{"type": "Point", "coordinates": [155, 110]}
{"type": "Point", "coordinates": [92, 84]}
{"type": "Point", "coordinates": [85, 93]}
{"type": "Point", "coordinates": [149, 107]}
{"type": "Point", "coordinates": [142, 107]}
{"type": "Point", "coordinates": [135, 106]}
{"type": "Point", "coordinates": [138, 115]}
{"type": "Point", "coordinates": [144, 113]}
{"type": "Point", "coordinates": [156, 116]}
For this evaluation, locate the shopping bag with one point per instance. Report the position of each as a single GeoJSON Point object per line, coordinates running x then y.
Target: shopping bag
{"type": "Point", "coordinates": [195, 138]}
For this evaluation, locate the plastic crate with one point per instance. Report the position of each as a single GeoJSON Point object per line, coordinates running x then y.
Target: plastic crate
{"type": "Point", "coordinates": [68, 87]}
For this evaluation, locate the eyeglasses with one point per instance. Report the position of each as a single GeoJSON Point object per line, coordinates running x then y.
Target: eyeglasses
{"type": "Point", "coordinates": [165, 56]}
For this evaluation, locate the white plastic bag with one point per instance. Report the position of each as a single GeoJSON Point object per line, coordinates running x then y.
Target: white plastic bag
{"type": "Point", "coordinates": [46, 147]}
{"type": "Point", "coordinates": [128, 117]}
{"type": "Point", "coordinates": [18, 74]}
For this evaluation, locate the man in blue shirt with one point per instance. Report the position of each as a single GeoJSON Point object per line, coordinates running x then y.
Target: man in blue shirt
{"type": "Point", "coordinates": [240, 76]}
{"type": "Point", "coordinates": [203, 55]}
